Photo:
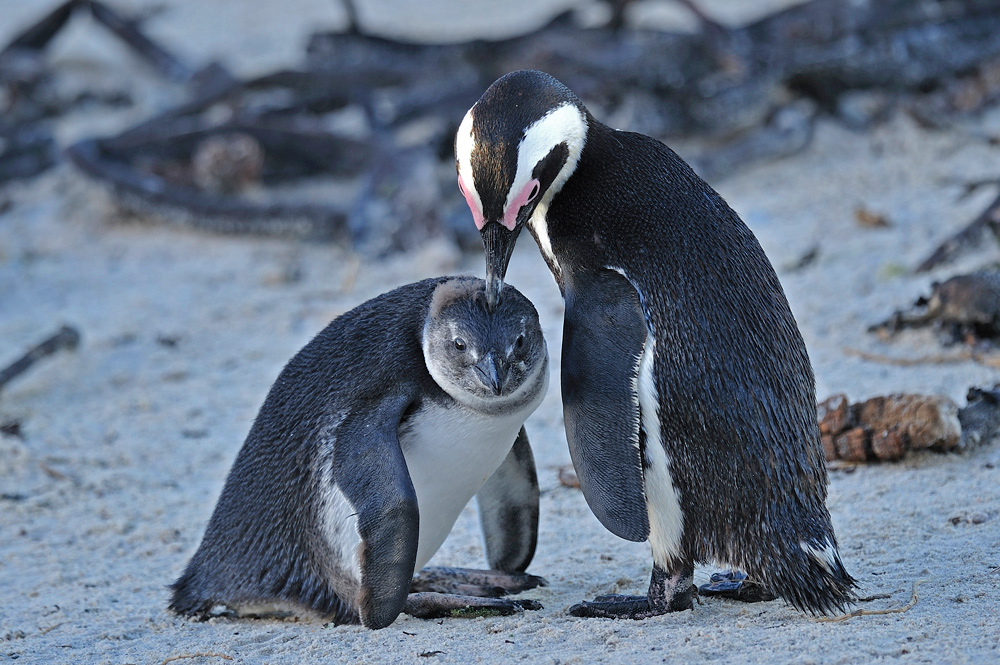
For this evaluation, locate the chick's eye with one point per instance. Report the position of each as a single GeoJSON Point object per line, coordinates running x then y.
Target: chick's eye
{"type": "Point", "coordinates": [520, 341]}
{"type": "Point", "coordinates": [460, 344]}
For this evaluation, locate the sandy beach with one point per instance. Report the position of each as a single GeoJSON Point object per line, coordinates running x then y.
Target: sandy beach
{"type": "Point", "coordinates": [126, 441]}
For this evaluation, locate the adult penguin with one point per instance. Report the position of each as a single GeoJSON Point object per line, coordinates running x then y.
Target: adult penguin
{"type": "Point", "coordinates": [689, 398]}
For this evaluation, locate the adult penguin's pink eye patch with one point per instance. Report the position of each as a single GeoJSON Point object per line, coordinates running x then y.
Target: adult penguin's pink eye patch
{"type": "Point", "coordinates": [477, 214]}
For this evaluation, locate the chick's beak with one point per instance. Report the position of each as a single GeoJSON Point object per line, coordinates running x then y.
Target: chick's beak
{"type": "Point", "coordinates": [492, 371]}
{"type": "Point", "coordinates": [499, 245]}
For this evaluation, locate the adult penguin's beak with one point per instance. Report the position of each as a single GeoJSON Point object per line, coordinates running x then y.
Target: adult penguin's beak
{"type": "Point", "coordinates": [499, 245]}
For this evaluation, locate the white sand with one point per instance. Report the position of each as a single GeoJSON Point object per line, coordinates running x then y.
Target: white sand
{"type": "Point", "coordinates": [128, 440]}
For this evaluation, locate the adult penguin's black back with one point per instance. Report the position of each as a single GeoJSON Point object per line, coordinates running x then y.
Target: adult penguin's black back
{"type": "Point", "coordinates": [737, 399]}
{"type": "Point", "coordinates": [669, 293]}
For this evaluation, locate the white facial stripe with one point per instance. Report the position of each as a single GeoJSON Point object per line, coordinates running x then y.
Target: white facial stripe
{"type": "Point", "coordinates": [572, 125]}
{"type": "Point", "coordinates": [562, 124]}
{"type": "Point", "coordinates": [464, 143]}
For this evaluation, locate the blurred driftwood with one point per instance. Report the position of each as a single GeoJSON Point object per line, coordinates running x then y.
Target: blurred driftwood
{"type": "Point", "coordinates": [37, 37]}
{"type": "Point", "coordinates": [154, 170]}
{"type": "Point", "coordinates": [967, 238]}
{"type": "Point", "coordinates": [26, 143]}
{"type": "Point", "coordinates": [66, 338]}
{"type": "Point", "coordinates": [963, 309]}
{"type": "Point", "coordinates": [758, 87]}
{"type": "Point", "coordinates": [716, 81]}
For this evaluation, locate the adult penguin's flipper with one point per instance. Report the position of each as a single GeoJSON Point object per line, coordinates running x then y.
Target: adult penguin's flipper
{"type": "Point", "coordinates": [603, 339]}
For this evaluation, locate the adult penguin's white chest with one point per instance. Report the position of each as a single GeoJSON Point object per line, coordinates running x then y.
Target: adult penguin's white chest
{"type": "Point", "coordinates": [666, 519]}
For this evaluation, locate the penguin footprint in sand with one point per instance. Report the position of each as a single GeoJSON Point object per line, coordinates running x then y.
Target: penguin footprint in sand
{"type": "Point", "coordinates": [370, 443]}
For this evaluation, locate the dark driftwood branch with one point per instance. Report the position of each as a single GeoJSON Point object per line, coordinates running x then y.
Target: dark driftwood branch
{"type": "Point", "coordinates": [66, 338]}
{"type": "Point", "coordinates": [207, 210]}
{"type": "Point", "coordinates": [165, 62]}
{"type": "Point", "coordinates": [962, 309]}
{"type": "Point", "coordinates": [37, 36]}
{"type": "Point", "coordinates": [969, 237]}
{"type": "Point", "coordinates": [26, 143]}
{"type": "Point", "coordinates": [28, 151]}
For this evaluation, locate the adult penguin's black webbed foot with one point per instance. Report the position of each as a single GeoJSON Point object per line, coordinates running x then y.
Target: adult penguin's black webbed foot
{"type": "Point", "coordinates": [667, 593]}
{"type": "Point", "coordinates": [733, 584]}
{"type": "Point", "coordinates": [615, 607]}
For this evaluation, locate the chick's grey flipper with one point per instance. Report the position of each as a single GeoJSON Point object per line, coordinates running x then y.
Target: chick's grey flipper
{"type": "Point", "coordinates": [508, 510]}
{"type": "Point", "coordinates": [603, 337]}
{"type": "Point", "coordinates": [372, 473]}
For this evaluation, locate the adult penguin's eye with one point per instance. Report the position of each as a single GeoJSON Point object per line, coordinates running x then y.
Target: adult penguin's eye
{"type": "Point", "coordinates": [460, 344]}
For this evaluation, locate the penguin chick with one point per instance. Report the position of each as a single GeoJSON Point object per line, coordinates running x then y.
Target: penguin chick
{"type": "Point", "coordinates": [689, 399]}
{"type": "Point", "coordinates": [370, 443]}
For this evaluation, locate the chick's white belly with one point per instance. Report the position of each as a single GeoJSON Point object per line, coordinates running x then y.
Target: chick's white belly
{"type": "Point", "coordinates": [450, 452]}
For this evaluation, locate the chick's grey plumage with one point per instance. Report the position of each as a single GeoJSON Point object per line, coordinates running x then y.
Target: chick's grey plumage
{"type": "Point", "coordinates": [331, 503]}
{"type": "Point", "coordinates": [688, 393]}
